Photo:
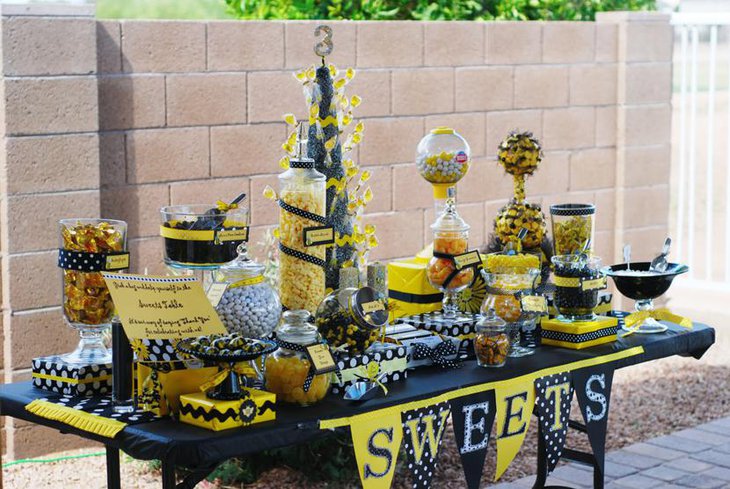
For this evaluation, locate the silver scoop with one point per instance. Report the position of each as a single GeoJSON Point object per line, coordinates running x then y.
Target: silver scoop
{"type": "Point", "coordinates": [363, 390]}
{"type": "Point", "coordinates": [660, 263]}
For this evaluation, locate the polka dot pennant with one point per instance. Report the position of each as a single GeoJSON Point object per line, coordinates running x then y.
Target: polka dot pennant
{"type": "Point", "coordinates": [423, 431]}
{"type": "Point", "coordinates": [553, 394]}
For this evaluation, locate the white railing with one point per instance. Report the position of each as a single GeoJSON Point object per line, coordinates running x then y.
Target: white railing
{"type": "Point", "coordinates": [702, 151]}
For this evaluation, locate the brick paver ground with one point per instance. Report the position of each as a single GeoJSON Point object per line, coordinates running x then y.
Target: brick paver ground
{"type": "Point", "coordinates": [696, 457]}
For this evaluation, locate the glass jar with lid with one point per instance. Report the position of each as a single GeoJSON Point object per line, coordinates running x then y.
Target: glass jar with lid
{"type": "Point", "coordinates": [249, 306]}
{"type": "Point", "coordinates": [352, 316]}
{"type": "Point", "coordinates": [491, 341]}
{"type": "Point", "coordinates": [288, 369]}
{"type": "Point", "coordinates": [450, 239]}
{"type": "Point", "coordinates": [302, 198]}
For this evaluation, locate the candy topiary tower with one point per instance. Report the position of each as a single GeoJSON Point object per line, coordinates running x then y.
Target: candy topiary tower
{"type": "Point", "coordinates": [519, 154]}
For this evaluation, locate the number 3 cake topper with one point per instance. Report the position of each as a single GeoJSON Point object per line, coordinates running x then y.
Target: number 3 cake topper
{"type": "Point", "coordinates": [325, 46]}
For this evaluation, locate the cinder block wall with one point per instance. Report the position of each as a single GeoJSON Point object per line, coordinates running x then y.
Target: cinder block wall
{"type": "Point", "coordinates": [119, 118]}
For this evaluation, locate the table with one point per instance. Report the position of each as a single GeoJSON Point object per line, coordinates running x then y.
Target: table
{"type": "Point", "coordinates": [178, 444]}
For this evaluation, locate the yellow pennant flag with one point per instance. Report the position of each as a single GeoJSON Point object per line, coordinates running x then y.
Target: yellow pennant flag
{"type": "Point", "coordinates": [515, 400]}
{"type": "Point", "coordinates": [377, 440]}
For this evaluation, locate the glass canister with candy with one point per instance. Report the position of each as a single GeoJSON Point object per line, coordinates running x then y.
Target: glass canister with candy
{"type": "Point", "coordinates": [290, 372]}
{"type": "Point", "coordinates": [302, 197]}
{"type": "Point", "coordinates": [578, 278]}
{"type": "Point", "coordinates": [452, 267]}
{"type": "Point", "coordinates": [249, 305]}
{"type": "Point", "coordinates": [88, 247]}
{"type": "Point", "coordinates": [573, 227]}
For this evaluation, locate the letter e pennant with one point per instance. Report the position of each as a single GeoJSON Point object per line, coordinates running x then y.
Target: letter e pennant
{"type": "Point", "coordinates": [472, 418]}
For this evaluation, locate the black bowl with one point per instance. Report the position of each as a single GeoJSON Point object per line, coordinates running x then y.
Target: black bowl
{"type": "Point", "coordinates": [643, 287]}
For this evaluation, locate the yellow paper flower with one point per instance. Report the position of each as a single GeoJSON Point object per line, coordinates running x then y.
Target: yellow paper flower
{"type": "Point", "coordinates": [369, 229]}
{"type": "Point", "coordinates": [333, 70]}
{"type": "Point", "coordinates": [269, 193]}
{"type": "Point", "coordinates": [340, 83]}
{"type": "Point", "coordinates": [351, 172]}
{"type": "Point", "coordinates": [355, 100]}
{"type": "Point", "coordinates": [372, 241]}
{"type": "Point", "coordinates": [365, 176]}
{"type": "Point", "coordinates": [284, 163]}
{"type": "Point", "coordinates": [349, 73]}
{"type": "Point", "coordinates": [290, 119]}
{"type": "Point", "coordinates": [356, 138]}
{"type": "Point", "coordinates": [330, 144]}
{"type": "Point", "coordinates": [359, 127]}
{"type": "Point", "coordinates": [368, 195]}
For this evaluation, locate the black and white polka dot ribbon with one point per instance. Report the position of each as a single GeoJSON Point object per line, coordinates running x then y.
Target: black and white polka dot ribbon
{"type": "Point", "coordinates": [302, 256]}
{"type": "Point", "coordinates": [303, 349]}
{"type": "Point", "coordinates": [83, 261]}
{"type": "Point", "coordinates": [302, 213]}
{"type": "Point", "coordinates": [438, 354]}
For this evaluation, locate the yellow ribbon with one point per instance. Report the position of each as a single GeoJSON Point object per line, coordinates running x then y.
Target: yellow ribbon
{"type": "Point", "coordinates": [225, 206]}
{"type": "Point", "coordinates": [241, 368]}
{"type": "Point", "coordinates": [633, 321]}
{"type": "Point", "coordinates": [371, 372]}
{"type": "Point", "coordinates": [566, 281]}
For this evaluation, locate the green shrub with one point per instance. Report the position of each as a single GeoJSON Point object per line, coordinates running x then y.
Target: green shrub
{"type": "Point", "coordinates": [430, 10]}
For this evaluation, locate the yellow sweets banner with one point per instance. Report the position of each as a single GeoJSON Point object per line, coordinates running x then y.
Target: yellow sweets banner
{"type": "Point", "coordinates": [515, 401]}
{"type": "Point", "coordinates": [376, 440]}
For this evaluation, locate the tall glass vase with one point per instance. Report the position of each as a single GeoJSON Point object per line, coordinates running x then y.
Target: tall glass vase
{"type": "Point", "coordinates": [87, 247]}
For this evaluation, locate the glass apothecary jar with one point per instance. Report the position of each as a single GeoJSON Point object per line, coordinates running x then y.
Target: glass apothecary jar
{"type": "Point", "coordinates": [249, 306]}
{"type": "Point", "coordinates": [491, 341]}
{"type": "Point", "coordinates": [302, 198]}
{"type": "Point", "coordinates": [352, 317]}
{"type": "Point", "coordinates": [502, 301]}
{"type": "Point", "coordinates": [86, 247]}
{"type": "Point", "coordinates": [573, 228]}
{"type": "Point", "coordinates": [578, 279]}
{"type": "Point", "coordinates": [287, 369]}
{"type": "Point", "coordinates": [450, 239]}
{"type": "Point", "coordinates": [202, 236]}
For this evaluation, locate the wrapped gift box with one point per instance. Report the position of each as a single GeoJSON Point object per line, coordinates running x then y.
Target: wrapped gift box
{"type": "Point", "coordinates": [407, 336]}
{"type": "Point", "coordinates": [603, 308]}
{"type": "Point", "coordinates": [409, 291]}
{"type": "Point", "coordinates": [54, 374]}
{"type": "Point", "coordinates": [175, 379]}
{"type": "Point", "coordinates": [198, 410]}
{"type": "Point", "coordinates": [580, 334]}
{"type": "Point", "coordinates": [391, 358]}
{"type": "Point", "coordinates": [462, 328]}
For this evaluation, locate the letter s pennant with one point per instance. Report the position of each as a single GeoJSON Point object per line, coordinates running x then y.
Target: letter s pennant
{"type": "Point", "coordinates": [376, 440]}
{"type": "Point", "coordinates": [472, 418]}
{"type": "Point", "coordinates": [553, 394]}
{"type": "Point", "coordinates": [593, 390]}
{"type": "Point", "coordinates": [423, 430]}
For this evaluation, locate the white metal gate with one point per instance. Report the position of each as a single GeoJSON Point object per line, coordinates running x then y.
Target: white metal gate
{"type": "Point", "coordinates": [700, 217]}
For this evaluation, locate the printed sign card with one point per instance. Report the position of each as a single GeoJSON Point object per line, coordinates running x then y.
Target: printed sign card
{"type": "Point", "coordinates": [162, 307]}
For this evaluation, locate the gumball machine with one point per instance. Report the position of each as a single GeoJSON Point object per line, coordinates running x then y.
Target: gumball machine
{"type": "Point", "coordinates": [442, 158]}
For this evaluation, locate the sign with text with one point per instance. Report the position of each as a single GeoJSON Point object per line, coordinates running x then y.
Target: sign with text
{"type": "Point", "coordinates": [162, 307]}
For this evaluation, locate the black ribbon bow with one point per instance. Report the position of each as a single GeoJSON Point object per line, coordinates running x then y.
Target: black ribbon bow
{"type": "Point", "coordinates": [438, 354]}
{"type": "Point", "coordinates": [303, 348]}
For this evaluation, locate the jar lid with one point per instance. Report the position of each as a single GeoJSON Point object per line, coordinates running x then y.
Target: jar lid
{"type": "Point", "coordinates": [442, 130]}
{"type": "Point", "coordinates": [369, 308]}
{"type": "Point", "coordinates": [572, 209]}
{"type": "Point", "coordinates": [297, 329]}
{"type": "Point", "coordinates": [450, 220]}
{"type": "Point", "coordinates": [242, 267]}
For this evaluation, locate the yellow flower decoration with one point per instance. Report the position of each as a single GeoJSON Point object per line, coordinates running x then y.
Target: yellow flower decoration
{"type": "Point", "coordinates": [365, 176]}
{"type": "Point", "coordinates": [340, 83]}
{"type": "Point", "coordinates": [368, 195]}
{"type": "Point", "coordinates": [359, 127]}
{"type": "Point", "coordinates": [369, 229]}
{"type": "Point", "coordinates": [290, 119]}
{"type": "Point", "coordinates": [372, 241]}
{"type": "Point", "coordinates": [355, 100]}
{"type": "Point", "coordinates": [349, 73]}
{"type": "Point", "coordinates": [269, 193]}
{"type": "Point", "coordinates": [284, 163]}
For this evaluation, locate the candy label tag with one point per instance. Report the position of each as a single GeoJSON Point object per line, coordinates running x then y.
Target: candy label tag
{"type": "Point", "coordinates": [461, 157]}
{"type": "Point", "coordinates": [319, 235]}
{"type": "Point", "coordinates": [321, 358]}
{"type": "Point", "coordinates": [468, 259]}
{"type": "Point", "coordinates": [373, 306]}
{"type": "Point", "coordinates": [215, 292]}
{"type": "Point", "coordinates": [594, 284]}
{"type": "Point", "coordinates": [117, 262]}
{"type": "Point", "coordinates": [534, 303]}
{"type": "Point", "coordinates": [233, 234]}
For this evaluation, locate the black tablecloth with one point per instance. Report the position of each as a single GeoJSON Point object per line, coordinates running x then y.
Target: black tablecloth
{"type": "Point", "coordinates": [190, 446]}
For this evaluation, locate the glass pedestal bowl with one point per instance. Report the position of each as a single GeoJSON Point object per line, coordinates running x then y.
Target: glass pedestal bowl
{"type": "Point", "coordinates": [636, 282]}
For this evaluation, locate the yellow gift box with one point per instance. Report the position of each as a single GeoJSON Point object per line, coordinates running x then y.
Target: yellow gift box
{"type": "Point", "coordinates": [580, 334]}
{"type": "Point", "coordinates": [409, 292]}
{"type": "Point", "coordinates": [173, 383]}
{"type": "Point", "coordinates": [197, 409]}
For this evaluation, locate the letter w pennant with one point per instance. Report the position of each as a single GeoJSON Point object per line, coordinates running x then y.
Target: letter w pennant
{"type": "Point", "coordinates": [423, 430]}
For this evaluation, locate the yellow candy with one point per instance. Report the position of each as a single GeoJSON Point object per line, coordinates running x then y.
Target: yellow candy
{"type": "Point", "coordinates": [285, 377]}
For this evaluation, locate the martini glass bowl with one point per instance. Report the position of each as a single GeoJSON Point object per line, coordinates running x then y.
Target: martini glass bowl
{"type": "Point", "coordinates": [637, 282]}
